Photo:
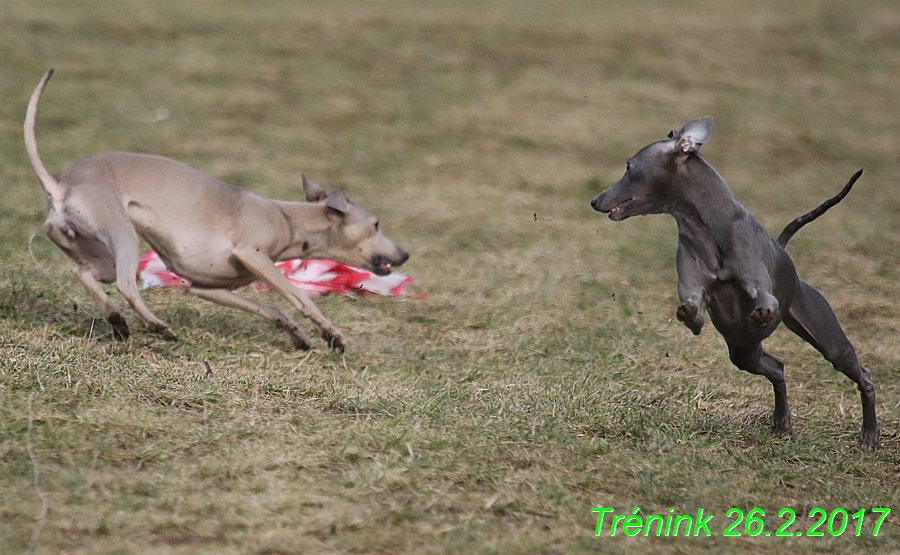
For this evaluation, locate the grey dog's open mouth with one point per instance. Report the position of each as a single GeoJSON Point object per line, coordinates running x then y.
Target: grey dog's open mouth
{"type": "Point", "coordinates": [615, 213]}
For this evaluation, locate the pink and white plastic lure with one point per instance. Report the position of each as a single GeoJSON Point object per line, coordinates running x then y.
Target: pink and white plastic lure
{"type": "Point", "coordinates": [313, 277]}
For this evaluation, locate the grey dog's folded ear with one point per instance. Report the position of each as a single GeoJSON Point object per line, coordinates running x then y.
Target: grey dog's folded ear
{"type": "Point", "coordinates": [692, 135]}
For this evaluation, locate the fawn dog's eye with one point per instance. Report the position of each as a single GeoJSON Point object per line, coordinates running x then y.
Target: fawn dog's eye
{"type": "Point", "coordinates": [376, 226]}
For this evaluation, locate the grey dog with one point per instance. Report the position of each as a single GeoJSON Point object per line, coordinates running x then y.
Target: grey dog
{"type": "Point", "coordinates": [729, 267]}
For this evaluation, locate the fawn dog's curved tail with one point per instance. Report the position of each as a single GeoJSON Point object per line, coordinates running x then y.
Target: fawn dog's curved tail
{"type": "Point", "coordinates": [51, 184]}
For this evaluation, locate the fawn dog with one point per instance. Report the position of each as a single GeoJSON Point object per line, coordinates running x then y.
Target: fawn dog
{"type": "Point", "coordinates": [217, 236]}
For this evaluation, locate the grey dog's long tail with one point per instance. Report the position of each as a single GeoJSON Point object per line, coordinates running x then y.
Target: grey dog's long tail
{"type": "Point", "coordinates": [794, 227]}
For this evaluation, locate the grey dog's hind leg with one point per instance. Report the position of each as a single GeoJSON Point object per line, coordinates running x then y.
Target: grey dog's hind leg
{"type": "Point", "coordinates": [812, 318]}
{"type": "Point", "coordinates": [757, 360]}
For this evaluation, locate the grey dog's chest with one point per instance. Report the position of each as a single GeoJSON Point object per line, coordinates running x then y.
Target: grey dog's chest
{"type": "Point", "coordinates": [723, 254]}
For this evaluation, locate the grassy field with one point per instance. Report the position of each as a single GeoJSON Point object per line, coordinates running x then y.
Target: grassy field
{"type": "Point", "coordinates": [543, 374]}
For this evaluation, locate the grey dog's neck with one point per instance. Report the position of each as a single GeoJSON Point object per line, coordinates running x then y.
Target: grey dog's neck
{"type": "Point", "coordinates": [705, 205]}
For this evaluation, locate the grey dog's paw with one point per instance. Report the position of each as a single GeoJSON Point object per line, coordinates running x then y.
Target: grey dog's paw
{"type": "Point", "coordinates": [690, 316]}
{"type": "Point", "coordinates": [869, 438]}
{"type": "Point", "coordinates": [760, 317]}
{"type": "Point", "coordinates": [686, 312]}
{"type": "Point", "coordinates": [781, 423]}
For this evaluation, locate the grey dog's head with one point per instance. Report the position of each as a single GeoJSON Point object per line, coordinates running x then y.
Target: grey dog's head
{"type": "Point", "coordinates": [644, 189]}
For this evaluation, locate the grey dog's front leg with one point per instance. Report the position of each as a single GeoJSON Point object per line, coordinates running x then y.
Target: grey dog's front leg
{"type": "Point", "coordinates": [690, 312]}
{"type": "Point", "coordinates": [759, 287]}
{"type": "Point", "coordinates": [691, 293]}
{"type": "Point", "coordinates": [754, 270]}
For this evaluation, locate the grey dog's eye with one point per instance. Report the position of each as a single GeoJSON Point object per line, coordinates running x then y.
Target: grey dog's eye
{"type": "Point", "coordinates": [627, 166]}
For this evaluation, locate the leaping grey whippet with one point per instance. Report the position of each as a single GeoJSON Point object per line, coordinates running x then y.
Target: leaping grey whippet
{"type": "Point", "coordinates": [729, 268]}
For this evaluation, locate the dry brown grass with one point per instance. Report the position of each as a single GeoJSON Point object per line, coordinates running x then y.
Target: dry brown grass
{"type": "Point", "coordinates": [543, 374]}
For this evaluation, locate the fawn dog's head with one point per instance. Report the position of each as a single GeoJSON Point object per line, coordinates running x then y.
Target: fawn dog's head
{"type": "Point", "coordinates": [355, 236]}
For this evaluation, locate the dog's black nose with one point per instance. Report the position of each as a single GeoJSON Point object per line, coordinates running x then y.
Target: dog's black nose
{"type": "Point", "coordinates": [403, 258]}
{"type": "Point", "coordinates": [594, 203]}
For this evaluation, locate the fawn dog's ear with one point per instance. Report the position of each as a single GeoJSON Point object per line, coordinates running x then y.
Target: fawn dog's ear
{"type": "Point", "coordinates": [313, 192]}
{"type": "Point", "coordinates": [337, 201]}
